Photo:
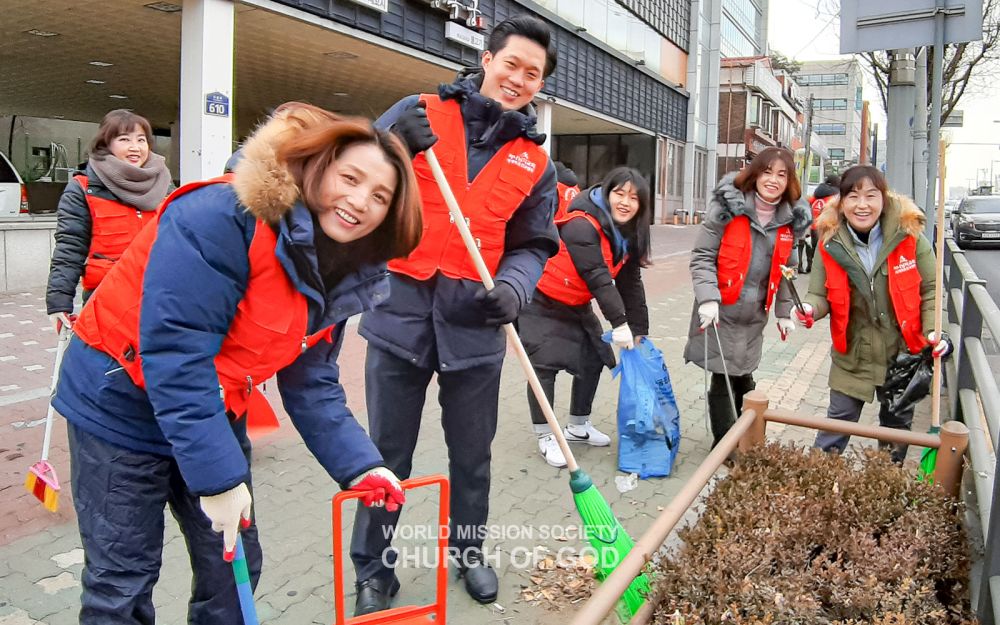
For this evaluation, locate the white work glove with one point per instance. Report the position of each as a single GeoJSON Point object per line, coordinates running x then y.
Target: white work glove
{"type": "Point", "coordinates": [228, 512]}
{"type": "Point", "coordinates": [709, 314]}
{"type": "Point", "coordinates": [381, 487]}
{"type": "Point", "coordinates": [942, 347]}
{"type": "Point", "coordinates": [61, 319]}
{"type": "Point", "coordinates": [621, 337]}
{"type": "Point", "coordinates": [785, 327]}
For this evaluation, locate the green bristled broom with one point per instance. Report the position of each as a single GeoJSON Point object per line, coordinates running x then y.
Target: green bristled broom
{"type": "Point", "coordinates": [928, 460]}
{"type": "Point", "coordinates": [606, 535]}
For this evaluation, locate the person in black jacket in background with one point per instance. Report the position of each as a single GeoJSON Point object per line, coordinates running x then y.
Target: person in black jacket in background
{"type": "Point", "coordinates": [604, 244]}
{"type": "Point", "coordinates": [103, 207]}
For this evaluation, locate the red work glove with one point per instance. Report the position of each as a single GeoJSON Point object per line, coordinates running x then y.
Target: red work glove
{"type": "Point", "coordinates": [805, 316]}
{"type": "Point", "coordinates": [381, 488]}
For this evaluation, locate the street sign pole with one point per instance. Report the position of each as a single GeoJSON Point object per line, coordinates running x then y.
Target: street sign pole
{"type": "Point", "coordinates": [930, 208]}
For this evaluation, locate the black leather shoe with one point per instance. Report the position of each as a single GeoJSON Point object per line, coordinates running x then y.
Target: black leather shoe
{"type": "Point", "coordinates": [480, 578]}
{"type": "Point", "coordinates": [374, 596]}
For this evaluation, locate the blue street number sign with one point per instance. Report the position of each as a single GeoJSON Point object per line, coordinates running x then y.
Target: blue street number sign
{"type": "Point", "coordinates": [217, 104]}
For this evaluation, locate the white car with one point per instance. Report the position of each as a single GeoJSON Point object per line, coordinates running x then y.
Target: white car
{"type": "Point", "coordinates": [13, 193]}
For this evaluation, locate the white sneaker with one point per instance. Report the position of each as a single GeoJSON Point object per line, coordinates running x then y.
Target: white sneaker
{"type": "Point", "coordinates": [586, 433]}
{"type": "Point", "coordinates": [550, 451]}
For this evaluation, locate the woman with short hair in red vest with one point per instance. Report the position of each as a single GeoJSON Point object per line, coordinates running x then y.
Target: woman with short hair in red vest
{"type": "Point", "coordinates": [604, 243]}
{"type": "Point", "coordinates": [103, 207]}
{"type": "Point", "coordinates": [876, 281]}
{"type": "Point", "coordinates": [749, 230]}
{"type": "Point", "coordinates": [237, 279]}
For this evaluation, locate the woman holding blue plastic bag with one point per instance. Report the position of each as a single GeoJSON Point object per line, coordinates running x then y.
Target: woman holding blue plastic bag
{"type": "Point", "coordinates": [604, 244]}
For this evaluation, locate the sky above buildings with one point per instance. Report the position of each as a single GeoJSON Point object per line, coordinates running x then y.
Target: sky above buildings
{"type": "Point", "coordinates": [807, 30]}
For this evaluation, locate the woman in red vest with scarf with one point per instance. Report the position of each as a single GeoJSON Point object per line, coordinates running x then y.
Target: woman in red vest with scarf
{"type": "Point", "coordinates": [749, 229]}
{"type": "Point", "coordinates": [876, 281]}
{"type": "Point", "coordinates": [104, 207]}
{"type": "Point", "coordinates": [237, 279]}
{"type": "Point", "coordinates": [604, 242]}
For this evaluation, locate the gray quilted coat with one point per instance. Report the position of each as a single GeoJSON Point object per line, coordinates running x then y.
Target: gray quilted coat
{"type": "Point", "coordinates": [741, 325]}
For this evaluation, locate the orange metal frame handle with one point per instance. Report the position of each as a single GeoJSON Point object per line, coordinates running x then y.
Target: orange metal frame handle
{"type": "Point", "coordinates": [401, 614]}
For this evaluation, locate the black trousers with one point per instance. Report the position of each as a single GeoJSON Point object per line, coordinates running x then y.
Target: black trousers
{"type": "Point", "coordinates": [395, 391]}
{"type": "Point", "coordinates": [721, 411]}
{"type": "Point", "coordinates": [582, 393]}
{"type": "Point", "coordinates": [119, 496]}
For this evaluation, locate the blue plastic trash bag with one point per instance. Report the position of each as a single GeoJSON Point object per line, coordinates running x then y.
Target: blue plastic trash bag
{"type": "Point", "coordinates": [648, 419]}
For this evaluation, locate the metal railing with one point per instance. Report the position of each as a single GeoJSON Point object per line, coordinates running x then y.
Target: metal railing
{"type": "Point", "coordinates": [975, 400]}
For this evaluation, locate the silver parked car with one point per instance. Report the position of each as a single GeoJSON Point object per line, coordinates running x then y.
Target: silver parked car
{"type": "Point", "coordinates": [13, 193]}
{"type": "Point", "coordinates": [976, 220]}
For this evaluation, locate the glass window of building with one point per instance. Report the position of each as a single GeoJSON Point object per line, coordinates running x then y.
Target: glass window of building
{"type": "Point", "coordinates": [831, 129]}
{"type": "Point", "coordinates": [830, 104]}
{"type": "Point", "coordinates": [836, 154]}
{"type": "Point", "coordinates": [821, 80]}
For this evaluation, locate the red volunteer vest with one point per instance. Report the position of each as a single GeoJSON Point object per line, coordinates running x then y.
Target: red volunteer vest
{"type": "Point", "coordinates": [267, 333]}
{"type": "Point", "coordinates": [817, 206]}
{"type": "Point", "coordinates": [113, 226]}
{"type": "Point", "coordinates": [488, 202]}
{"type": "Point", "coordinates": [735, 252]}
{"type": "Point", "coordinates": [904, 291]}
{"type": "Point", "coordinates": [566, 196]}
{"type": "Point", "coordinates": [561, 281]}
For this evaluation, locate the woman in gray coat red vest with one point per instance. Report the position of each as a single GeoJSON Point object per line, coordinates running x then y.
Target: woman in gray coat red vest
{"type": "Point", "coordinates": [104, 207]}
{"type": "Point", "coordinates": [237, 279]}
{"type": "Point", "coordinates": [749, 230]}
{"type": "Point", "coordinates": [604, 243]}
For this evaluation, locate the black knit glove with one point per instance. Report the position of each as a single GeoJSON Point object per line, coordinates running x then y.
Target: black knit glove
{"type": "Point", "coordinates": [414, 129]}
{"type": "Point", "coordinates": [501, 304]}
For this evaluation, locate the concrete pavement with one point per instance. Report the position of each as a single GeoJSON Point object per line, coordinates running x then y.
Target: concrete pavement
{"type": "Point", "coordinates": [531, 507]}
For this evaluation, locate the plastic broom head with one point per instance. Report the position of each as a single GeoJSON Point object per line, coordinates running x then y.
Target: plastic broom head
{"type": "Point", "coordinates": [928, 460]}
{"type": "Point", "coordinates": [42, 482]}
{"type": "Point", "coordinates": [610, 541]}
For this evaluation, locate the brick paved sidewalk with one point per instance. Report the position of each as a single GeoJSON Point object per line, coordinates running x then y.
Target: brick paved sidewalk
{"type": "Point", "coordinates": [40, 556]}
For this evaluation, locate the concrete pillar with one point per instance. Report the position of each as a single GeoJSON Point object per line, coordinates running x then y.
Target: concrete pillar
{"type": "Point", "coordinates": [544, 124]}
{"type": "Point", "coordinates": [901, 100]}
{"type": "Point", "coordinates": [694, 70]}
{"type": "Point", "coordinates": [714, 59]}
{"type": "Point", "coordinates": [206, 140]}
{"type": "Point", "coordinates": [920, 147]}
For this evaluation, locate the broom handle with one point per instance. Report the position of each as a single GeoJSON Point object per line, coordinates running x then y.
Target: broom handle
{"type": "Point", "coordinates": [484, 275]}
{"type": "Point", "coordinates": [64, 334]}
{"type": "Point", "coordinates": [938, 289]}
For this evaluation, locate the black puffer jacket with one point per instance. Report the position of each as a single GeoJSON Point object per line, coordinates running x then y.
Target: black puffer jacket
{"type": "Point", "coordinates": [559, 336]}
{"type": "Point", "coordinates": [621, 299]}
{"type": "Point", "coordinates": [72, 241]}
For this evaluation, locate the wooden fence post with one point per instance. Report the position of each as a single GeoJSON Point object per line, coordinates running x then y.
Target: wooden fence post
{"type": "Point", "coordinates": [758, 402]}
{"type": "Point", "coordinates": [948, 468]}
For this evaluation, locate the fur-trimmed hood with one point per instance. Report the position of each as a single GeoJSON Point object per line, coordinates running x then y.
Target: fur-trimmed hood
{"type": "Point", "coordinates": [730, 202]}
{"type": "Point", "coordinates": [901, 213]}
{"type": "Point", "coordinates": [265, 187]}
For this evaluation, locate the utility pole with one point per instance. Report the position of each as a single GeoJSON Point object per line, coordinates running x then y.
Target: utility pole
{"type": "Point", "coordinates": [808, 159]}
{"type": "Point", "coordinates": [902, 93]}
{"type": "Point", "coordinates": [919, 134]}
{"type": "Point", "coordinates": [875, 146]}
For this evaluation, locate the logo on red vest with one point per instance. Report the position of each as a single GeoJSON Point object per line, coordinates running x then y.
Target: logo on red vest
{"type": "Point", "coordinates": [904, 264]}
{"type": "Point", "coordinates": [570, 193]}
{"type": "Point", "coordinates": [523, 161]}
{"type": "Point", "coordinates": [786, 236]}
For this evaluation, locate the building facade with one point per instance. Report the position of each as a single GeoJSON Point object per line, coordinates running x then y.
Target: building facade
{"type": "Point", "coordinates": [836, 87]}
{"type": "Point", "coordinates": [756, 111]}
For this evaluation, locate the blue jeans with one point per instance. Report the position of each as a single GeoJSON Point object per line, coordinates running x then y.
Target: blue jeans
{"type": "Point", "coordinates": [119, 495]}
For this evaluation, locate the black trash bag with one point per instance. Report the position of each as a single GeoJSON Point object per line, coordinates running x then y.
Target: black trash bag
{"type": "Point", "coordinates": [907, 381]}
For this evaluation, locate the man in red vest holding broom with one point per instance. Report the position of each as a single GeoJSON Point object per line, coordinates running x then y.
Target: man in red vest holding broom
{"type": "Point", "coordinates": [439, 318]}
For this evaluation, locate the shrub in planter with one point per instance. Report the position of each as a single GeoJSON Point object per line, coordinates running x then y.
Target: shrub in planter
{"type": "Point", "coordinates": [795, 537]}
